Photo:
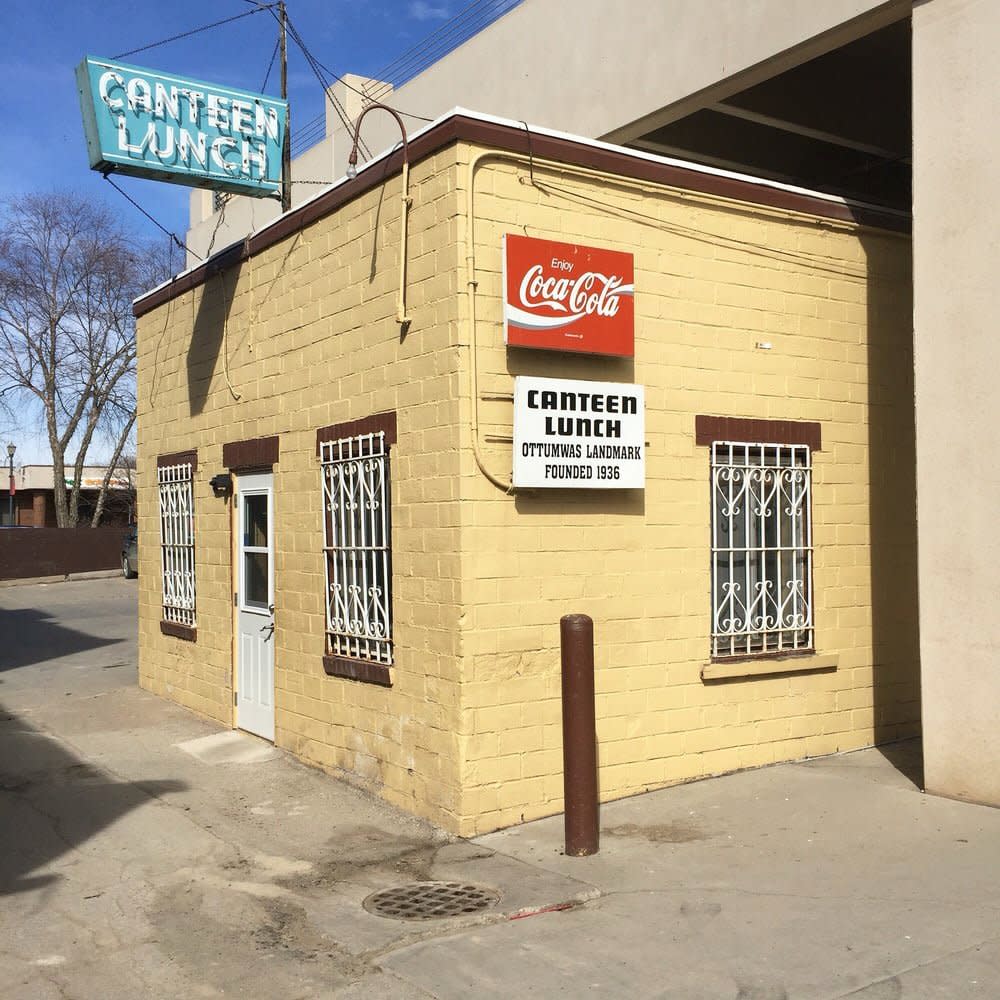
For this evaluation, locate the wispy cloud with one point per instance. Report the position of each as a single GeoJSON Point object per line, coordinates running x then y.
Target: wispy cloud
{"type": "Point", "coordinates": [423, 11]}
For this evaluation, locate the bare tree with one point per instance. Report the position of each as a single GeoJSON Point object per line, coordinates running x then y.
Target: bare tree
{"type": "Point", "coordinates": [120, 468]}
{"type": "Point", "coordinates": [68, 274]}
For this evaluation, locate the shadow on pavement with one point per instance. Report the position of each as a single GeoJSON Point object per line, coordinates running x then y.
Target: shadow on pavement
{"type": "Point", "coordinates": [906, 757]}
{"type": "Point", "coordinates": [34, 636]}
{"type": "Point", "coordinates": [52, 802]}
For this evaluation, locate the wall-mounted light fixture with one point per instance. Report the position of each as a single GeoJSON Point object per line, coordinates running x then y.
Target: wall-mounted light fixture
{"type": "Point", "coordinates": [222, 484]}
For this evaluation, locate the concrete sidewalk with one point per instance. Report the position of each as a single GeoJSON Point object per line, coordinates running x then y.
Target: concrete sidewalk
{"type": "Point", "coordinates": [146, 853]}
{"type": "Point", "coordinates": [33, 581]}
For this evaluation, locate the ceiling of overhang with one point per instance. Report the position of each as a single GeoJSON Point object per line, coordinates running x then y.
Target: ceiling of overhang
{"type": "Point", "coordinates": [839, 123]}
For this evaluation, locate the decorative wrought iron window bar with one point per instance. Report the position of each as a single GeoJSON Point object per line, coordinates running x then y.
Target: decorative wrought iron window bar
{"type": "Point", "coordinates": [176, 487]}
{"type": "Point", "coordinates": [762, 550]}
{"type": "Point", "coordinates": [358, 555]}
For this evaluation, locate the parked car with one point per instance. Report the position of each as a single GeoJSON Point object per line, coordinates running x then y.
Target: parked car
{"type": "Point", "coordinates": [130, 554]}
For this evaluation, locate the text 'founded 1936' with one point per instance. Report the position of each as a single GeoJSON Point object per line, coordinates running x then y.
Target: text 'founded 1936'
{"type": "Point", "coordinates": [579, 435]}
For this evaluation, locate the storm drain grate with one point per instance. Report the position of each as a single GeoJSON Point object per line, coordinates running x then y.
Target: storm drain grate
{"type": "Point", "coordinates": [431, 900]}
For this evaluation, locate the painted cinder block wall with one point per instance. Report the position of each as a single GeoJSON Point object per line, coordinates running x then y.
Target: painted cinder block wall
{"type": "Point", "coordinates": [469, 734]}
{"type": "Point", "coordinates": [714, 279]}
{"type": "Point", "coordinates": [304, 335]}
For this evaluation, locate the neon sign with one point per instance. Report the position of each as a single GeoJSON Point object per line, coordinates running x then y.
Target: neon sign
{"type": "Point", "coordinates": [149, 124]}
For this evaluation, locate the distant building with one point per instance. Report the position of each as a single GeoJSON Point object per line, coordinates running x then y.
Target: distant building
{"type": "Point", "coordinates": [34, 498]}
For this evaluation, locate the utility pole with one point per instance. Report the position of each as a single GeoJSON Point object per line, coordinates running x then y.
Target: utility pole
{"type": "Point", "coordinates": [286, 143]}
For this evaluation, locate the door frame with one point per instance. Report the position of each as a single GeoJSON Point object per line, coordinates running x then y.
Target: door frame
{"type": "Point", "coordinates": [252, 482]}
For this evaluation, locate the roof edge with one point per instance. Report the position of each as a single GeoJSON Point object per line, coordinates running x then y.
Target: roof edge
{"type": "Point", "coordinates": [517, 137]}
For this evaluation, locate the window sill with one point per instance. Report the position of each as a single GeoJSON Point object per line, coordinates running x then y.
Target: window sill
{"type": "Point", "coordinates": [357, 670]}
{"type": "Point", "coordinates": [720, 670]}
{"type": "Point", "coordinates": [185, 632]}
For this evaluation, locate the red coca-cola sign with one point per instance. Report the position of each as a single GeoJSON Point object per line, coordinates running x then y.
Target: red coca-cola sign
{"type": "Point", "coordinates": [564, 297]}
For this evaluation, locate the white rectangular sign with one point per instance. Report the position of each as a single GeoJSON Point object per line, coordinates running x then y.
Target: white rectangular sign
{"type": "Point", "coordinates": [579, 435]}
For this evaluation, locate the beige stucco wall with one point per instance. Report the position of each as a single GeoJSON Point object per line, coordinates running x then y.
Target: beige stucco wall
{"type": "Point", "coordinates": [956, 153]}
{"type": "Point", "coordinates": [713, 279]}
{"type": "Point", "coordinates": [584, 67]}
{"type": "Point", "coordinates": [592, 69]}
{"type": "Point", "coordinates": [308, 339]}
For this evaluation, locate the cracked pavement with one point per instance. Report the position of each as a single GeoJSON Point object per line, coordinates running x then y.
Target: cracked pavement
{"type": "Point", "coordinates": [147, 853]}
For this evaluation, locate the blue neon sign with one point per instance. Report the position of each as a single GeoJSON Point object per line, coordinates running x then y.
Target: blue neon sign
{"type": "Point", "coordinates": [149, 124]}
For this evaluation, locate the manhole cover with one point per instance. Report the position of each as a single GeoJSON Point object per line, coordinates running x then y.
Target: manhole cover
{"type": "Point", "coordinates": [431, 900]}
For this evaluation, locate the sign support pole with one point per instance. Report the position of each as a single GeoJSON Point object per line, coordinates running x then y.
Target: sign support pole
{"type": "Point", "coordinates": [286, 144]}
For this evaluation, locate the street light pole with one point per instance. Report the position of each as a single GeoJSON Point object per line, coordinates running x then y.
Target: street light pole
{"type": "Point", "coordinates": [10, 501]}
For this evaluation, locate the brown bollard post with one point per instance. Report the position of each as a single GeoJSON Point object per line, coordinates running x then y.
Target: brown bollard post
{"type": "Point", "coordinates": [576, 634]}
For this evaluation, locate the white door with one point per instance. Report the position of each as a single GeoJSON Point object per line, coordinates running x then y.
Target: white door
{"type": "Point", "coordinates": [255, 605]}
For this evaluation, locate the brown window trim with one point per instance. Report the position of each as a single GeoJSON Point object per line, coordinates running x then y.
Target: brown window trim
{"type": "Point", "coordinates": [185, 632]}
{"type": "Point", "coordinates": [385, 422]}
{"type": "Point", "coordinates": [179, 458]}
{"type": "Point", "coordinates": [709, 429]}
{"type": "Point", "coordinates": [364, 671]}
{"type": "Point", "coordinates": [254, 453]}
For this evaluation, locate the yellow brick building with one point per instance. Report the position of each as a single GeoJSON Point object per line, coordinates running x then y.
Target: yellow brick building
{"type": "Point", "coordinates": [763, 315]}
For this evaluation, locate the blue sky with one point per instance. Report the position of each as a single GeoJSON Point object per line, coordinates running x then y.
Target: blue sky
{"type": "Point", "coordinates": [42, 146]}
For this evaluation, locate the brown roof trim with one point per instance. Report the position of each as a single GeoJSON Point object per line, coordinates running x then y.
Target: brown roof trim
{"type": "Point", "coordinates": [710, 429]}
{"type": "Point", "coordinates": [385, 422]}
{"type": "Point", "coordinates": [179, 458]}
{"type": "Point", "coordinates": [255, 453]}
{"type": "Point", "coordinates": [515, 139]}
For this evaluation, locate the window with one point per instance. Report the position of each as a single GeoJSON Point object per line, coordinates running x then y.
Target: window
{"type": "Point", "coordinates": [175, 478]}
{"type": "Point", "coordinates": [358, 544]}
{"type": "Point", "coordinates": [762, 600]}
{"type": "Point", "coordinates": [256, 550]}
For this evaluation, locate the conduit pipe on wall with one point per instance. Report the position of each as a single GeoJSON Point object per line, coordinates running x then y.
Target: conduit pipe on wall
{"type": "Point", "coordinates": [533, 163]}
{"type": "Point", "coordinates": [472, 283]}
{"type": "Point", "coordinates": [352, 171]}
{"type": "Point", "coordinates": [470, 261]}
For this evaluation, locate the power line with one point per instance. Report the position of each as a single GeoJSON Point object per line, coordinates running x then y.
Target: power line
{"type": "Point", "coordinates": [270, 65]}
{"type": "Point", "coordinates": [337, 78]}
{"type": "Point", "coordinates": [369, 97]}
{"type": "Point", "coordinates": [464, 25]}
{"type": "Point", "coordinates": [173, 236]}
{"type": "Point", "coordinates": [315, 66]}
{"type": "Point", "coordinates": [425, 42]}
{"type": "Point", "coordinates": [467, 23]}
{"type": "Point", "coordinates": [193, 31]}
